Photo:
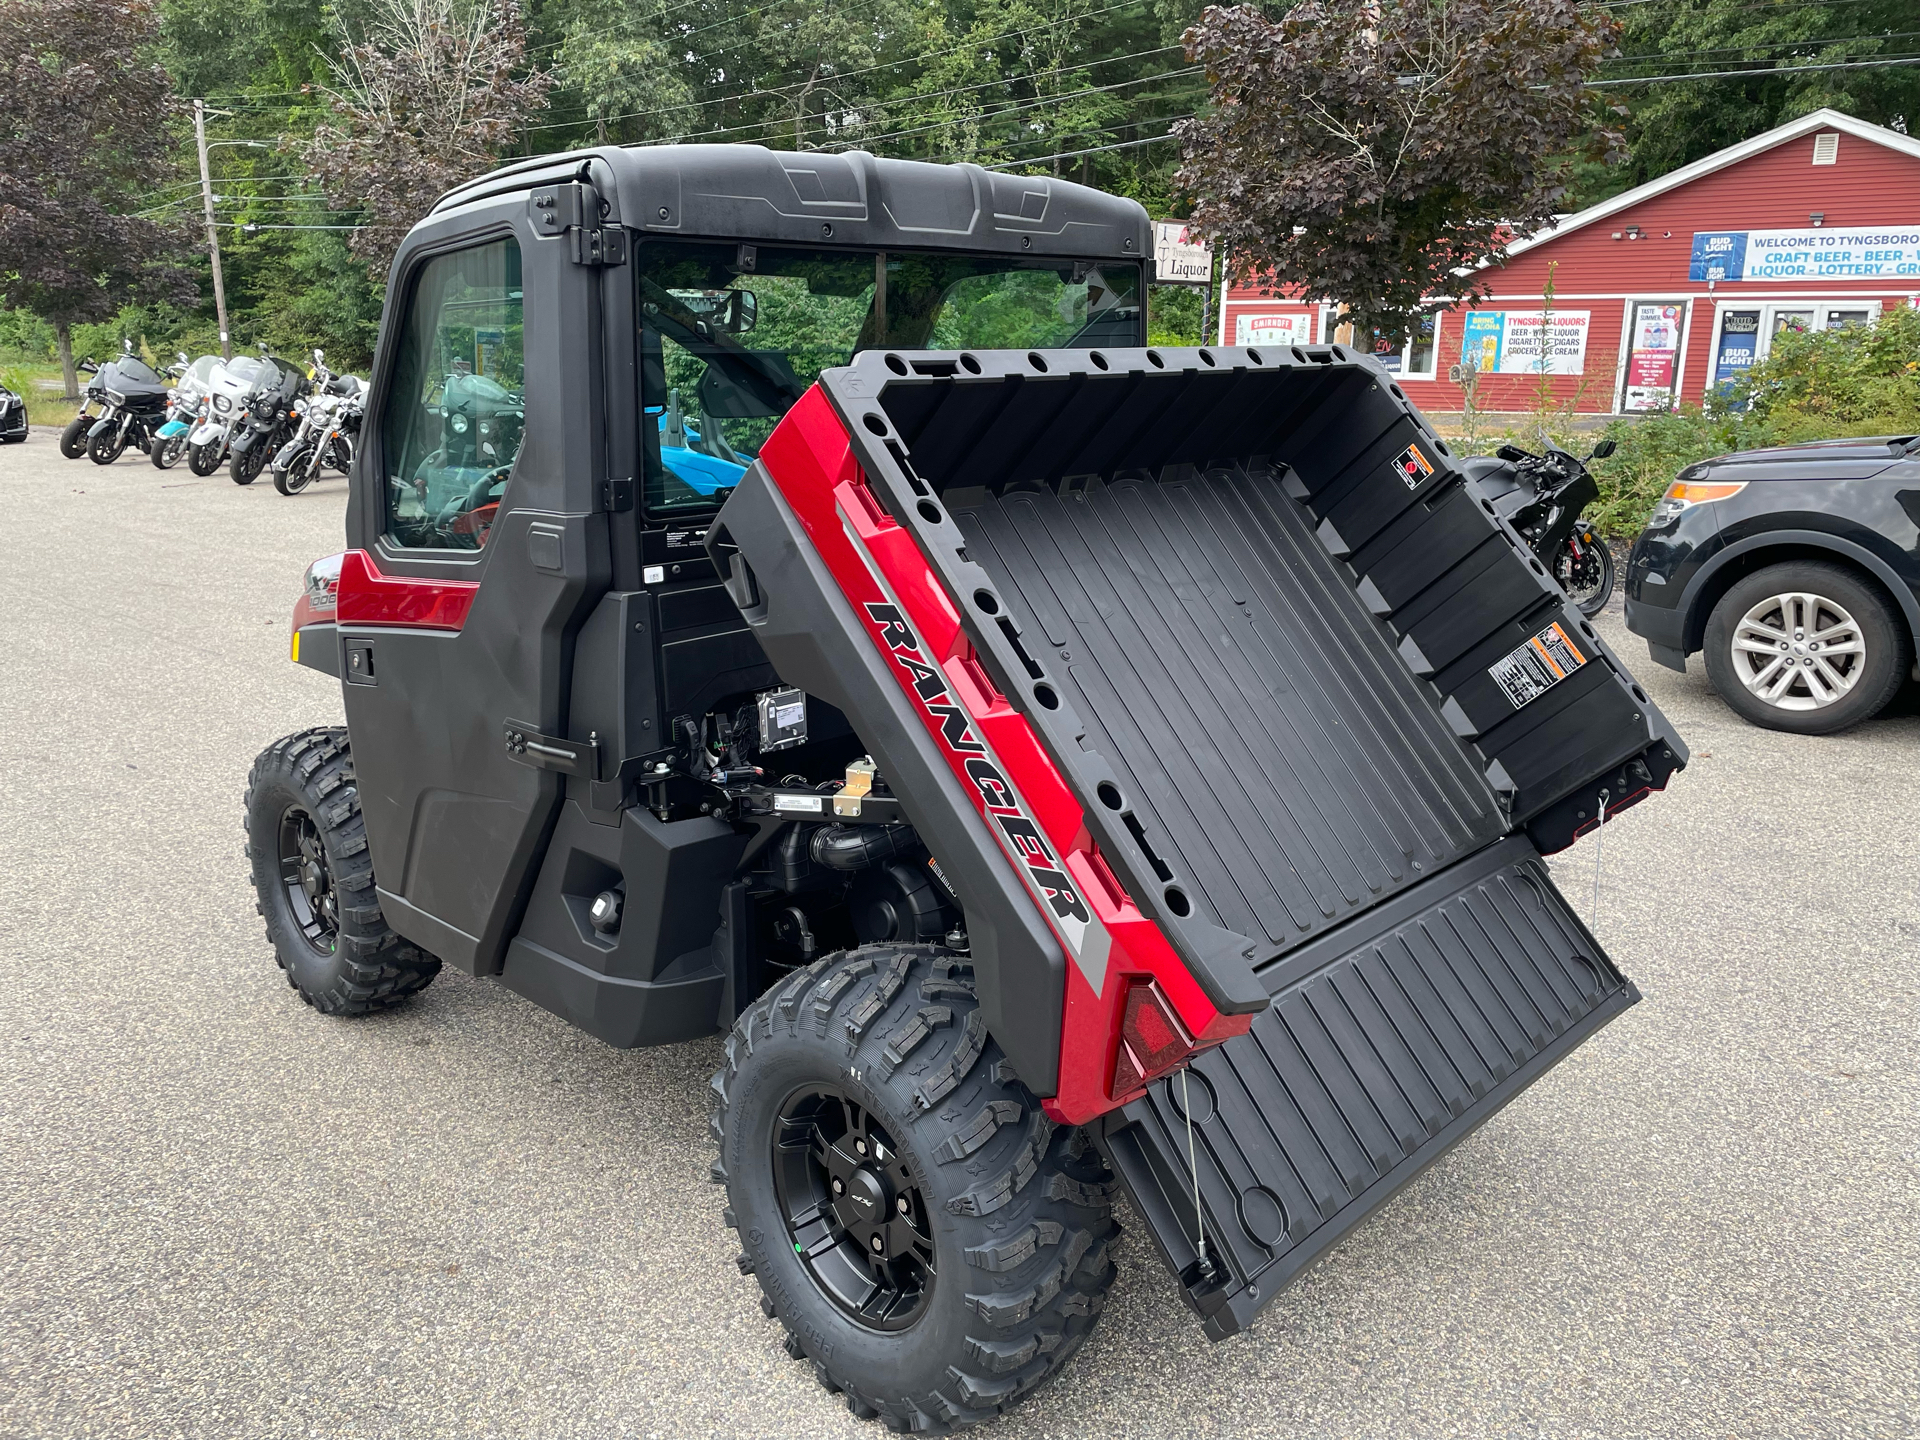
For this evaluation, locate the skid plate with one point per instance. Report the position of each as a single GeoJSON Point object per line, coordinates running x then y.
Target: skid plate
{"type": "Point", "coordinates": [1388, 1041]}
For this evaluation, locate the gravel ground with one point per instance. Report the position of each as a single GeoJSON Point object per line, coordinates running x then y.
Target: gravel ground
{"type": "Point", "coordinates": [226, 1215]}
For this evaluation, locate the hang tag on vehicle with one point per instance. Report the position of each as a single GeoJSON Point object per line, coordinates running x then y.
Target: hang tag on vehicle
{"type": "Point", "coordinates": [1537, 666]}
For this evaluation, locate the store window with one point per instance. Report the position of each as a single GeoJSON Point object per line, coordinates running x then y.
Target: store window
{"type": "Point", "coordinates": [1414, 359]}
{"type": "Point", "coordinates": [1743, 334]}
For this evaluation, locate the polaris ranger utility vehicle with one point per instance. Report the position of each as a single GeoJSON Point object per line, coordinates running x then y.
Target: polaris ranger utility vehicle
{"type": "Point", "coordinates": [786, 597]}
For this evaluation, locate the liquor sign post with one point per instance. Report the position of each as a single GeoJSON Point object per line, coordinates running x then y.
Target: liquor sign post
{"type": "Point", "coordinates": [1178, 260]}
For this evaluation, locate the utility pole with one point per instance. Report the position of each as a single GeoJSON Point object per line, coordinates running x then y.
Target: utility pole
{"type": "Point", "coordinates": [213, 237]}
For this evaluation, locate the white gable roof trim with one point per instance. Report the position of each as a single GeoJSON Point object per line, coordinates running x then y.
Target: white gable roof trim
{"type": "Point", "coordinates": [1720, 160]}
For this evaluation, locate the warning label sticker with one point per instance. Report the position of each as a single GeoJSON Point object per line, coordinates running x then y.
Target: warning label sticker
{"type": "Point", "coordinates": [1537, 666]}
{"type": "Point", "coordinates": [1413, 466]}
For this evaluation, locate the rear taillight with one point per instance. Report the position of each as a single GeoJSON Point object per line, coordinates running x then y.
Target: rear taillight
{"type": "Point", "coordinates": [1152, 1039]}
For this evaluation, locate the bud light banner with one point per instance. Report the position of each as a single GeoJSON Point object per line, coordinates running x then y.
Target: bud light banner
{"type": "Point", "coordinates": [1885, 253]}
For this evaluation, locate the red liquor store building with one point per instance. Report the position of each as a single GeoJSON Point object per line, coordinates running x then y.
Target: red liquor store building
{"type": "Point", "coordinates": [1667, 289]}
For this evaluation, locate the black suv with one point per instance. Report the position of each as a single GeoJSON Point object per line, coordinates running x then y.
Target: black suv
{"type": "Point", "coordinates": [1796, 570]}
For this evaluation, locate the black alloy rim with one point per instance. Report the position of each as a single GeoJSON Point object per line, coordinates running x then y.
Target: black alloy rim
{"type": "Point", "coordinates": [855, 1209]}
{"type": "Point", "coordinates": [1581, 575]}
{"type": "Point", "coordinates": [307, 879]}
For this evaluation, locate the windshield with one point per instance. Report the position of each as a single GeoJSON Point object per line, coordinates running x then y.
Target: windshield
{"type": "Point", "coordinates": [732, 335]}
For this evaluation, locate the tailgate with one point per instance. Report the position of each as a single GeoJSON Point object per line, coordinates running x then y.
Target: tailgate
{"type": "Point", "coordinates": [1388, 1042]}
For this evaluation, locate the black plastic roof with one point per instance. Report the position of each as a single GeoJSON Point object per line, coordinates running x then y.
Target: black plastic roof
{"type": "Point", "coordinates": [747, 192]}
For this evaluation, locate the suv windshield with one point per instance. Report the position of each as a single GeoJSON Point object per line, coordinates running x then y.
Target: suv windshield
{"type": "Point", "coordinates": [732, 335]}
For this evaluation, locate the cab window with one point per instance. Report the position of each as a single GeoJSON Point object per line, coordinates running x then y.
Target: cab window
{"type": "Point", "coordinates": [457, 407]}
{"type": "Point", "coordinates": [732, 335]}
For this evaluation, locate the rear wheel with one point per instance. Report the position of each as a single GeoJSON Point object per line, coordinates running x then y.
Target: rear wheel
{"type": "Point", "coordinates": [167, 450]}
{"type": "Point", "coordinates": [1806, 647]}
{"type": "Point", "coordinates": [245, 465]}
{"type": "Point", "coordinates": [73, 439]}
{"type": "Point", "coordinates": [313, 880]}
{"type": "Point", "coordinates": [932, 1244]}
{"type": "Point", "coordinates": [106, 447]}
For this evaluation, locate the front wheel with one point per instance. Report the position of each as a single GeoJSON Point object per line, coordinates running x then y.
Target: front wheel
{"type": "Point", "coordinates": [313, 880]}
{"type": "Point", "coordinates": [927, 1238]}
{"type": "Point", "coordinates": [203, 460]}
{"type": "Point", "coordinates": [245, 465]}
{"type": "Point", "coordinates": [1805, 647]}
{"type": "Point", "coordinates": [106, 447]}
{"type": "Point", "coordinates": [294, 476]}
{"type": "Point", "coordinates": [73, 439]}
{"type": "Point", "coordinates": [167, 450]}
{"type": "Point", "coordinates": [1584, 568]}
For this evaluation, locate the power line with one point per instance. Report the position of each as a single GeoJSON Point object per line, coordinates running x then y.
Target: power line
{"type": "Point", "coordinates": [991, 116]}
{"type": "Point", "coordinates": [1090, 150]}
{"type": "Point", "coordinates": [1763, 72]}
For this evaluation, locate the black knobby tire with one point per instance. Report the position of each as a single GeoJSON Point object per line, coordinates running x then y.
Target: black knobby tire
{"type": "Point", "coordinates": [107, 446]}
{"type": "Point", "coordinates": [336, 948]}
{"type": "Point", "coordinates": [294, 476]}
{"type": "Point", "coordinates": [1016, 1212]}
{"type": "Point", "coordinates": [244, 466]}
{"type": "Point", "coordinates": [1886, 645]}
{"type": "Point", "coordinates": [203, 460]}
{"type": "Point", "coordinates": [73, 439]}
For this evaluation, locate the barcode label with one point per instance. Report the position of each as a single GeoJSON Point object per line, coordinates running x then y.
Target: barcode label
{"type": "Point", "coordinates": [1537, 666]}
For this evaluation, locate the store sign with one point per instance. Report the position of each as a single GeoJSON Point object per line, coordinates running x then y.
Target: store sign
{"type": "Point", "coordinates": [1525, 342]}
{"type": "Point", "coordinates": [1273, 330]}
{"type": "Point", "coordinates": [1653, 356]}
{"type": "Point", "coordinates": [1178, 260]}
{"type": "Point", "coordinates": [1811, 254]}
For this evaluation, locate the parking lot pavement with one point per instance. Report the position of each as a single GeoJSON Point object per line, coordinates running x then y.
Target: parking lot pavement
{"type": "Point", "coordinates": [226, 1215]}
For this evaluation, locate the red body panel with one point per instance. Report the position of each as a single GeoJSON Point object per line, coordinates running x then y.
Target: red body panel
{"type": "Point", "coordinates": [992, 750]}
{"type": "Point", "coordinates": [369, 598]}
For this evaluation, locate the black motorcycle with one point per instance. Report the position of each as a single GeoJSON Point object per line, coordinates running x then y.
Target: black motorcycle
{"type": "Point", "coordinates": [134, 399]}
{"type": "Point", "coordinates": [1542, 496]}
{"type": "Point", "coordinates": [93, 400]}
{"type": "Point", "coordinates": [270, 419]}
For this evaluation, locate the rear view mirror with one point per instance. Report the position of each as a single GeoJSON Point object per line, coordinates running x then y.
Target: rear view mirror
{"type": "Point", "coordinates": [1602, 450]}
{"type": "Point", "coordinates": [722, 312]}
{"type": "Point", "coordinates": [319, 356]}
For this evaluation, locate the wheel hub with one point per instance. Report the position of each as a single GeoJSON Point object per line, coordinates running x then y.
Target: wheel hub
{"type": "Point", "coordinates": [855, 1211]}
{"type": "Point", "coordinates": [307, 881]}
{"type": "Point", "coordinates": [1798, 651]}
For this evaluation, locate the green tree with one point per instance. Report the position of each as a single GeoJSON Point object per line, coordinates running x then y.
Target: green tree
{"type": "Point", "coordinates": [425, 94]}
{"type": "Point", "coordinates": [84, 137]}
{"type": "Point", "coordinates": [1350, 150]}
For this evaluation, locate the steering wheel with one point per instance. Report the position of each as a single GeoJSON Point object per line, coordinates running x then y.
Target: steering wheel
{"type": "Point", "coordinates": [471, 516]}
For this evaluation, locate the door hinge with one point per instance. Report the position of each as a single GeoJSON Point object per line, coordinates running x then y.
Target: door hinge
{"type": "Point", "coordinates": [577, 212]}
{"type": "Point", "coordinates": [616, 495]}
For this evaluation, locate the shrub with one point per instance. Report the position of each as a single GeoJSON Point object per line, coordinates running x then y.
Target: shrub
{"type": "Point", "coordinates": [1823, 385]}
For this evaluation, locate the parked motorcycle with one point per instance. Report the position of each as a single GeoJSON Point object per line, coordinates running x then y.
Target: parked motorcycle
{"type": "Point", "coordinates": [184, 409]}
{"type": "Point", "coordinates": [329, 429]}
{"type": "Point", "coordinates": [266, 420]}
{"type": "Point", "coordinates": [93, 400]}
{"type": "Point", "coordinates": [136, 397]}
{"type": "Point", "coordinates": [13, 417]}
{"type": "Point", "coordinates": [228, 385]}
{"type": "Point", "coordinates": [1542, 496]}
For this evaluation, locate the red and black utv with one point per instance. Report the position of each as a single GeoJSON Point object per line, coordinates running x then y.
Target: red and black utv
{"type": "Point", "coordinates": [787, 597]}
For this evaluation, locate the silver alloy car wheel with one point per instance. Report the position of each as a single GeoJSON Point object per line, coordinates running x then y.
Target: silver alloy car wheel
{"type": "Point", "coordinates": [1798, 651]}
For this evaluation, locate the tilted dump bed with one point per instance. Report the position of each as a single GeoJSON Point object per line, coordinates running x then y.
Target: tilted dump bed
{"type": "Point", "coordinates": [1313, 707]}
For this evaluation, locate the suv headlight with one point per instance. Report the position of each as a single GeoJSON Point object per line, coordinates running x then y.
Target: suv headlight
{"type": "Point", "coordinates": [1683, 495]}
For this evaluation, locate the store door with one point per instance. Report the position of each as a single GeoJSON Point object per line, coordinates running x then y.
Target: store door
{"type": "Point", "coordinates": [1650, 380]}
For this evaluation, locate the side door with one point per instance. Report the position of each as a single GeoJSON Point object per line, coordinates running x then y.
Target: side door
{"type": "Point", "coordinates": [479, 549]}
